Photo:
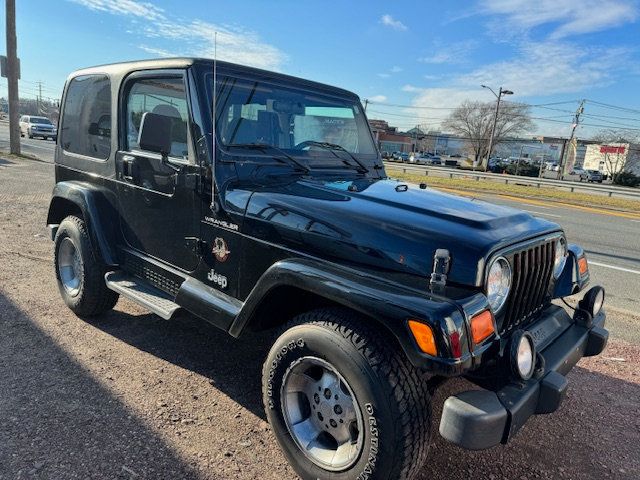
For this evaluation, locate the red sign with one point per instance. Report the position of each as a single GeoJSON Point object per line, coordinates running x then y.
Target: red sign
{"type": "Point", "coordinates": [610, 149]}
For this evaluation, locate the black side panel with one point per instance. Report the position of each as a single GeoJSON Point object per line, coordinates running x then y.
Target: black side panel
{"type": "Point", "coordinates": [391, 304]}
{"type": "Point", "coordinates": [96, 202]}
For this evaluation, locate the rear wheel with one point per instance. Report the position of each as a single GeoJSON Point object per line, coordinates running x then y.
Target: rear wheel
{"type": "Point", "coordinates": [343, 402]}
{"type": "Point", "coordinates": [80, 271]}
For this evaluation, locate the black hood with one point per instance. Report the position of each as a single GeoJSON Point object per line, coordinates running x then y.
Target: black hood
{"type": "Point", "coordinates": [377, 224]}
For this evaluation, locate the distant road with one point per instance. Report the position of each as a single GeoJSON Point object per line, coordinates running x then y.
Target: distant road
{"type": "Point", "coordinates": [43, 149]}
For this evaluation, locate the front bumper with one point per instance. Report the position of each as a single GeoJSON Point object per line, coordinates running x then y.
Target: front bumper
{"type": "Point", "coordinates": [43, 133]}
{"type": "Point", "coordinates": [480, 419]}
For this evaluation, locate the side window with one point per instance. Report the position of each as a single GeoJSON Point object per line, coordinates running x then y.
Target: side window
{"type": "Point", "coordinates": [163, 96]}
{"type": "Point", "coordinates": [86, 124]}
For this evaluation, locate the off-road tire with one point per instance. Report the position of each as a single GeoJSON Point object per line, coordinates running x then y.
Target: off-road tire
{"type": "Point", "coordinates": [93, 297]}
{"type": "Point", "coordinates": [392, 395]}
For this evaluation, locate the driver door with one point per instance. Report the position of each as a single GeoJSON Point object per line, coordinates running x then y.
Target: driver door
{"type": "Point", "coordinates": [159, 207]}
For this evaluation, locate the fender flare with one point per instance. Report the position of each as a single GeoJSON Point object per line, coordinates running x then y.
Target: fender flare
{"type": "Point", "coordinates": [389, 304]}
{"type": "Point", "coordinates": [97, 210]}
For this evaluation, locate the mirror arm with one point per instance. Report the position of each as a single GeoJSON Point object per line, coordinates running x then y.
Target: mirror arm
{"type": "Point", "coordinates": [165, 161]}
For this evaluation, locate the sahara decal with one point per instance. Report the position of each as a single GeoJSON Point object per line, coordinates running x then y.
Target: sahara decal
{"type": "Point", "coordinates": [220, 249]}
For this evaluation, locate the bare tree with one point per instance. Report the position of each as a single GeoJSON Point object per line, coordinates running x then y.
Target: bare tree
{"type": "Point", "coordinates": [473, 120]}
{"type": "Point", "coordinates": [614, 163]}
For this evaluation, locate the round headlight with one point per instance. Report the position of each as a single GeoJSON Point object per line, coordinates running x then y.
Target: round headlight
{"type": "Point", "coordinates": [498, 283]}
{"type": "Point", "coordinates": [523, 354]}
{"type": "Point", "coordinates": [560, 257]}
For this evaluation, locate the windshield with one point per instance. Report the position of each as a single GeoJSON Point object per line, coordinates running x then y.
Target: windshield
{"type": "Point", "coordinates": [293, 120]}
{"type": "Point", "coordinates": [40, 120]}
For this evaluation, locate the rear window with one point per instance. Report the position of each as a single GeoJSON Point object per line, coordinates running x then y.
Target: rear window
{"type": "Point", "coordinates": [86, 122]}
{"type": "Point", "coordinates": [41, 120]}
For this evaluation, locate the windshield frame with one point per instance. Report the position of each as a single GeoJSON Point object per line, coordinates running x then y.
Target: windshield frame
{"type": "Point", "coordinates": [318, 158]}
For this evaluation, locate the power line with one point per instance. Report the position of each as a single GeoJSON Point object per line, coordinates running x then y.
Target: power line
{"type": "Point", "coordinates": [614, 107]}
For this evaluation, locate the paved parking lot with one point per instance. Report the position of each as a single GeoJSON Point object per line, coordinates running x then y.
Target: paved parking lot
{"type": "Point", "coordinates": [129, 395]}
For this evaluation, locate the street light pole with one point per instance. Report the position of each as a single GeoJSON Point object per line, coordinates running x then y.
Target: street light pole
{"type": "Point", "coordinates": [12, 78]}
{"type": "Point", "coordinates": [501, 92]}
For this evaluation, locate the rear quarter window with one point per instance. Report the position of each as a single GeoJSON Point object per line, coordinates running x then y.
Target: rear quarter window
{"type": "Point", "coordinates": [86, 123]}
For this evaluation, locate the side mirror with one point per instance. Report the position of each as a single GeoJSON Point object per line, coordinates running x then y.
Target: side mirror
{"type": "Point", "coordinates": [93, 129]}
{"type": "Point", "coordinates": [155, 133]}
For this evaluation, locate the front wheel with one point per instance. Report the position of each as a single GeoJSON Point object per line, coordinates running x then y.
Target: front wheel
{"type": "Point", "coordinates": [345, 403]}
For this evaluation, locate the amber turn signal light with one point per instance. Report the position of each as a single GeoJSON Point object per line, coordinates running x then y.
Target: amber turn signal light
{"type": "Point", "coordinates": [482, 326]}
{"type": "Point", "coordinates": [424, 337]}
{"type": "Point", "coordinates": [583, 266]}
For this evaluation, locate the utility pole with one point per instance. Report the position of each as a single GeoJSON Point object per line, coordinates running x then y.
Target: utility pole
{"type": "Point", "coordinates": [12, 77]}
{"type": "Point", "coordinates": [565, 153]}
{"type": "Point", "coordinates": [366, 102]}
{"type": "Point", "coordinates": [500, 93]}
{"type": "Point", "coordinates": [39, 97]}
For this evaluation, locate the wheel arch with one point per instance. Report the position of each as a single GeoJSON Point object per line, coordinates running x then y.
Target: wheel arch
{"type": "Point", "coordinates": [90, 203]}
{"type": "Point", "coordinates": [293, 286]}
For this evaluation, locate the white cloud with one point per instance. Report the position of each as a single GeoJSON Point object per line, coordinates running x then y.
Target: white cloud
{"type": "Point", "coordinates": [158, 52]}
{"type": "Point", "coordinates": [124, 7]}
{"type": "Point", "coordinates": [452, 53]}
{"type": "Point", "coordinates": [396, 69]}
{"type": "Point", "coordinates": [378, 98]}
{"type": "Point", "coordinates": [388, 21]}
{"type": "Point", "coordinates": [192, 37]}
{"type": "Point", "coordinates": [539, 69]}
{"type": "Point", "coordinates": [548, 68]}
{"type": "Point", "coordinates": [571, 16]}
{"type": "Point", "coordinates": [383, 75]}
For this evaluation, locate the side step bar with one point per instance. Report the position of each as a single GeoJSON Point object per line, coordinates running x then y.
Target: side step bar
{"type": "Point", "coordinates": [142, 293]}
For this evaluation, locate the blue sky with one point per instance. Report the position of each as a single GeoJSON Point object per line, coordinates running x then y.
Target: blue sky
{"type": "Point", "coordinates": [428, 54]}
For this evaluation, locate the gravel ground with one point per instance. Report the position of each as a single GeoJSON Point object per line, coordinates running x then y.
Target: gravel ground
{"type": "Point", "coordinates": [129, 395]}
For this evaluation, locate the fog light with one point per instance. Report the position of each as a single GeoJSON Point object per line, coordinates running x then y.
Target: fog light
{"type": "Point", "coordinates": [593, 301]}
{"type": "Point", "coordinates": [522, 354]}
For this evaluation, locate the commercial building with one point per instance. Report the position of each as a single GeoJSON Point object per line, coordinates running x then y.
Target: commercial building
{"type": "Point", "coordinates": [613, 158]}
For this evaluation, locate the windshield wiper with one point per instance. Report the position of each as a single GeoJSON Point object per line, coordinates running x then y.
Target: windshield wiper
{"type": "Point", "coordinates": [362, 168]}
{"type": "Point", "coordinates": [286, 158]}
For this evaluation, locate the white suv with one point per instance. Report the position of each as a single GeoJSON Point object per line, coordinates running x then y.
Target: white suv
{"type": "Point", "coordinates": [32, 126]}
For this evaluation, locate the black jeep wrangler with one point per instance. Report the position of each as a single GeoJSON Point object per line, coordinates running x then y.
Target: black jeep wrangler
{"type": "Point", "coordinates": [285, 220]}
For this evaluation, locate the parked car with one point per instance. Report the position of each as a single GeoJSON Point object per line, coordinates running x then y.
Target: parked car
{"type": "Point", "coordinates": [32, 126]}
{"type": "Point", "coordinates": [373, 293]}
{"type": "Point", "coordinates": [591, 176]}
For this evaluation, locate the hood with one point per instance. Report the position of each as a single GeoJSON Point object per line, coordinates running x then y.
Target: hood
{"type": "Point", "coordinates": [378, 224]}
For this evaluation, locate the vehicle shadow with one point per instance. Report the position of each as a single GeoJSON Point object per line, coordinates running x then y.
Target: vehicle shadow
{"type": "Point", "coordinates": [233, 366]}
{"type": "Point", "coordinates": [593, 419]}
{"type": "Point", "coordinates": [58, 421]}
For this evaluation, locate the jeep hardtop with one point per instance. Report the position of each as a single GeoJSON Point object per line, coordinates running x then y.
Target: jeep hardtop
{"type": "Point", "coordinates": [284, 221]}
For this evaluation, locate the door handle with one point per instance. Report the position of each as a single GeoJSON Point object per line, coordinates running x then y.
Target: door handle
{"type": "Point", "coordinates": [128, 167]}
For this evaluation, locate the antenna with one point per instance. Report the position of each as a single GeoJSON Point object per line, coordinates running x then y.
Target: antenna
{"type": "Point", "coordinates": [214, 203]}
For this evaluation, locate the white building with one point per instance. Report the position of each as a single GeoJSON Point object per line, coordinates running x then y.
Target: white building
{"type": "Point", "coordinates": [613, 158]}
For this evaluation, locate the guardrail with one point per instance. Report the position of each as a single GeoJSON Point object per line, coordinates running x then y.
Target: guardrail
{"type": "Point", "coordinates": [608, 190]}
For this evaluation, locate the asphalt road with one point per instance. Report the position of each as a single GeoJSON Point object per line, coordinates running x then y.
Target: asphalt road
{"type": "Point", "coordinates": [43, 149]}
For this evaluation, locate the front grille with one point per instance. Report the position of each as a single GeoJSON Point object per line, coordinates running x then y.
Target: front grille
{"type": "Point", "coordinates": [532, 270]}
